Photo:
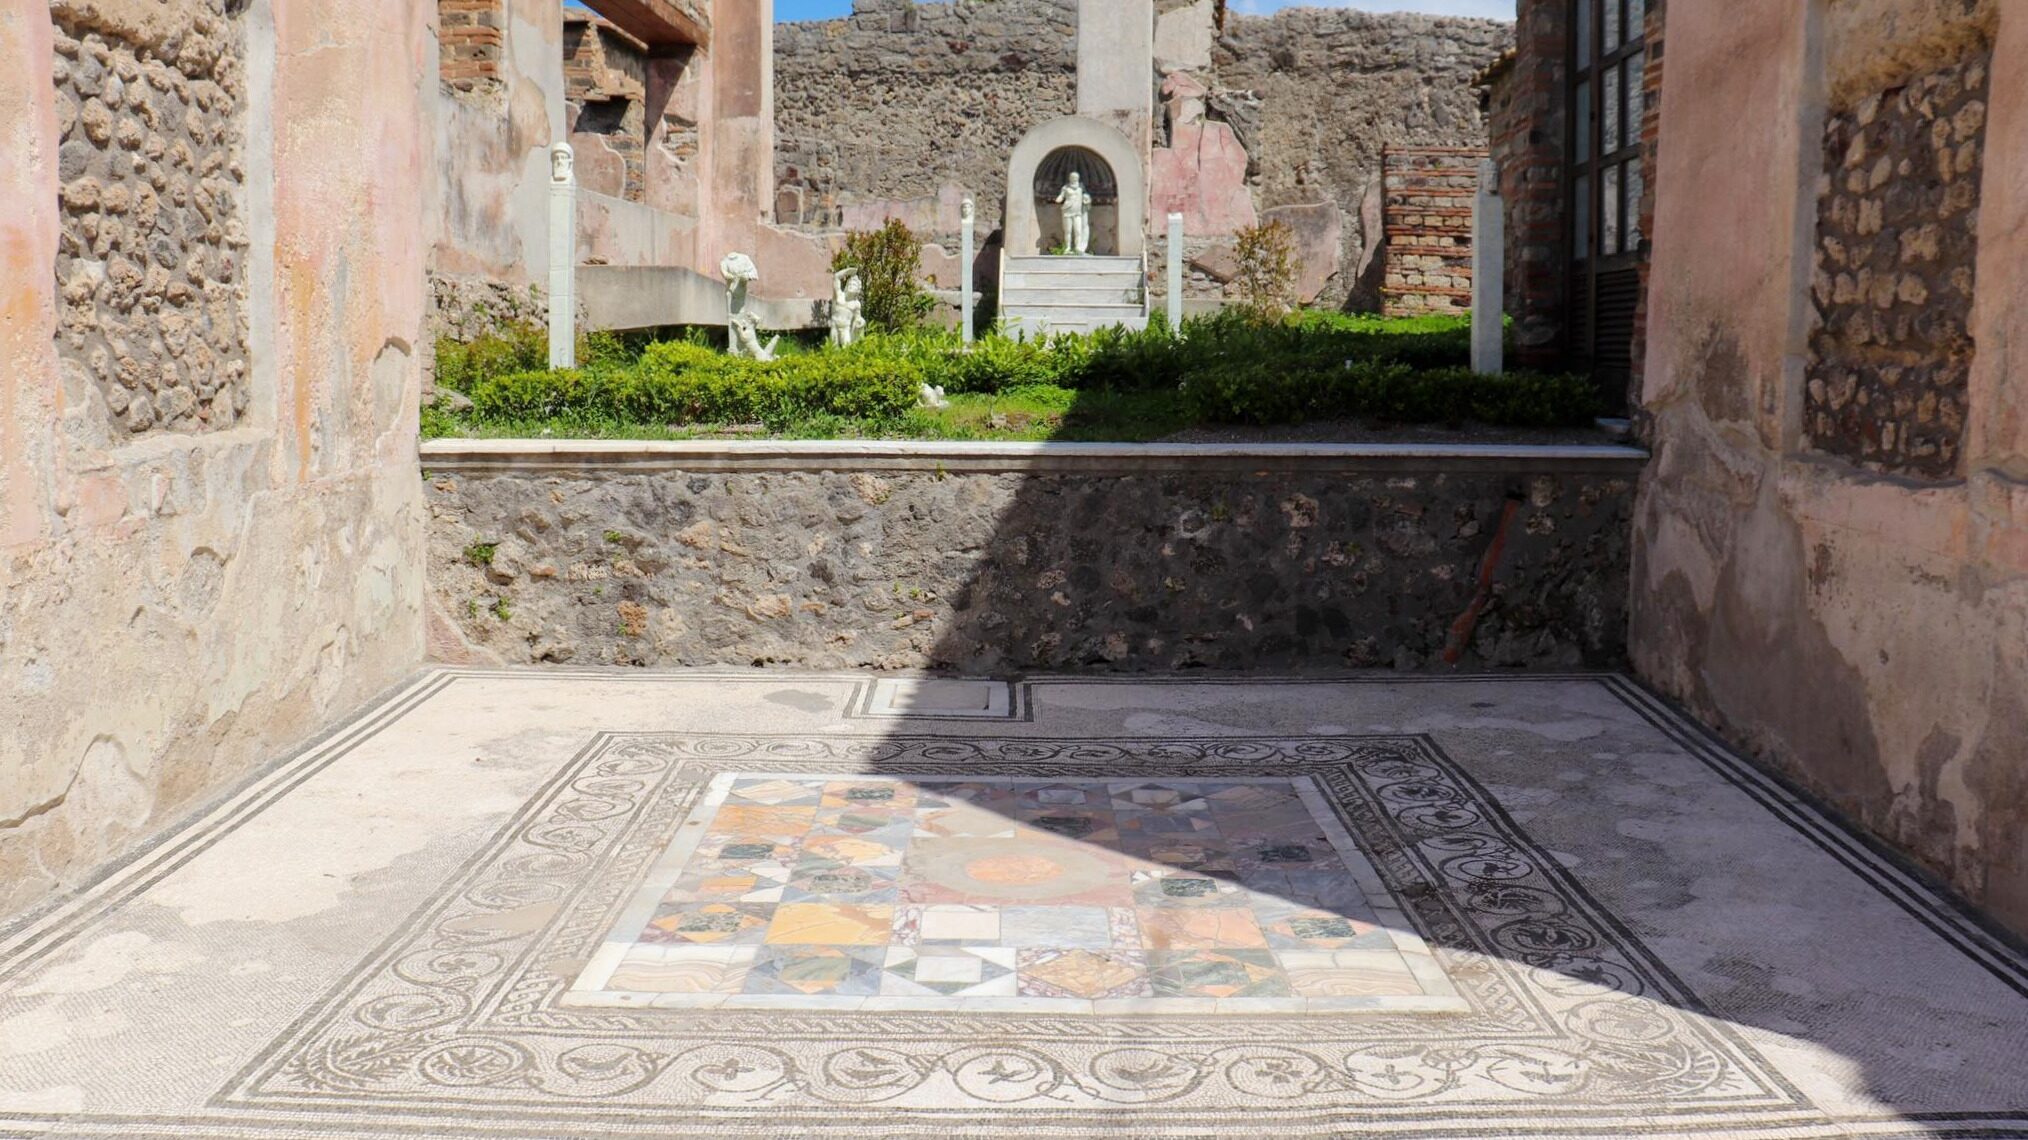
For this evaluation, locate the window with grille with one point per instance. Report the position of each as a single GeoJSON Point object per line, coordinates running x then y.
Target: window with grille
{"type": "Point", "coordinates": [1607, 77]}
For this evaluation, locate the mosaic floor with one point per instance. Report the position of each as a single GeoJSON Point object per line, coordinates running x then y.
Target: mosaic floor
{"type": "Point", "coordinates": [1051, 896]}
{"type": "Point", "coordinates": [528, 906]}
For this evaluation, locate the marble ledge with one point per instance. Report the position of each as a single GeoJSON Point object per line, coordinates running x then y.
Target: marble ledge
{"type": "Point", "coordinates": [595, 458]}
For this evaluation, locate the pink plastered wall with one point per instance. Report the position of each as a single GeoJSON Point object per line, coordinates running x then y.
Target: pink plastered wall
{"type": "Point", "coordinates": [1865, 634]}
{"type": "Point", "coordinates": [177, 608]}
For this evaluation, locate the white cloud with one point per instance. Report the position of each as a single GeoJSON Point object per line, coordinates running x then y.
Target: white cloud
{"type": "Point", "coordinates": [1492, 9]}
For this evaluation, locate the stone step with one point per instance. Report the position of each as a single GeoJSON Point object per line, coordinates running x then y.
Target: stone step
{"type": "Point", "coordinates": [1030, 279]}
{"type": "Point", "coordinates": [1030, 326]}
{"type": "Point", "coordinates": [1111, 294]}
{"type": "Point", "coordinates": [1060, 316]}
{"type": "Point", "coordinates": [1092, 264]}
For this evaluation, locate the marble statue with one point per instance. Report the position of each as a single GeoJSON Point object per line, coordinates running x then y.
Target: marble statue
{"type": "Point", "coordinates": [562, 163]}
{"type": "Point", "coordinates": [933, 396]}
{"type": "Point", "coordinates": [742, 328]}
{"type": "Point", "coordinates": [1076, 203]}
{"type": "Point", "coordinates": [848, 308]}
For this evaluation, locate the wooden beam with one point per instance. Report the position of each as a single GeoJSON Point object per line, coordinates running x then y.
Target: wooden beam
{"type": "Point", "coordinates": [657, 23]}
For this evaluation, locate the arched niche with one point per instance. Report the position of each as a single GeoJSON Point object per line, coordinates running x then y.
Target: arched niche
{"type": "Point", "coordinates": [1119, 220]}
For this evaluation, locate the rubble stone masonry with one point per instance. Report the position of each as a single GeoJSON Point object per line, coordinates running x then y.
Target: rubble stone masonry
{"type": "Point", "coordinates": [1897, 240]}
{"type": "Point", "coordinates": [903, 107]}
{"type": "Point", "coordinates": [150, 264]}
{"type": "Point", "coordinates": [1250, 563]}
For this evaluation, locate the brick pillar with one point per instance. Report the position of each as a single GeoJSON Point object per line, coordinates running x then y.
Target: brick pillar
{"type": "Point", "coordinates": [1526, 115]}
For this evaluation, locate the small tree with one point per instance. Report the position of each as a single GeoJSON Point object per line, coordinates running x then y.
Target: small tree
{"type": "Point", "coordinates": [1267, 271]}
{"type": "Point", "coordinates": [887, 259]}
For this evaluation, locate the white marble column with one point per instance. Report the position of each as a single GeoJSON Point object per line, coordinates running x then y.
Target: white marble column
{"type": "Point", "coordinates": [562, 257]}
{"type": "Point", "coordinates": [1175, 272]}
{"type": "Point", "coordinates": [1489, 273]}
{"type": "Point", "coordinates": [968, 222]}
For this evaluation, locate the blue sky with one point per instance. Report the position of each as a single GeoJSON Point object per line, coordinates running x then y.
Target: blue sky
{"type": "Point", "coordinates": [1499, 9]}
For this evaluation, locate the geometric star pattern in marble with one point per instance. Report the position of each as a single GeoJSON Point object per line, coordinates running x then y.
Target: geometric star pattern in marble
{"type": "Point", "coordinates": [1065, 896]}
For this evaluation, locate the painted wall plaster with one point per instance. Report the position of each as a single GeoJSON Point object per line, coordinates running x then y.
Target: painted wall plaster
{"type": "Point", "coordinates": [1866, 635]}
{"type": "Point", "coordinates": [177, 608]}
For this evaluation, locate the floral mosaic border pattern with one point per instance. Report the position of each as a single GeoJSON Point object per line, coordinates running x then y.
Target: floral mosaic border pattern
{"type": "Point", "coordinates": [1565, 1005]}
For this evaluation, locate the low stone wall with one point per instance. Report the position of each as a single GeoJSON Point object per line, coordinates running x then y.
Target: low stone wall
{"type": "Point", "coordinates": [1046, 556]}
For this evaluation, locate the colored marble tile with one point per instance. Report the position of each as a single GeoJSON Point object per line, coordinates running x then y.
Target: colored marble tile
{"type": "Point", "coordinates": [831, 924]}
{"type": "Point", "coordinates": [833, 971]}
{"type": "Point", "coordinates": [855, 850]}
{"type": "Point", "coordinates": [685, 970]}
{"type": "Point", "coordinates": [1166, 888]}
{"type": "Point", "coordinates": [1078, 824]}
{"type": "Point", "coordinates": [727, 923]}
{"type": "Point", "coordinates": [1199, 928]}
{"type": "Point", "coordinates": [763, 821]}
{"type": "Point", "coordinates": [1011, 870]}
{"type": "Point", "coordinates": [1204, 852]}
{"type": "Point", "coordinates": [1065, 927]}
{"type": "Point", "coordinates": [965, 820]}
{"type": "Point", "coordinates": [1087, 974]}
{"type": "Point", "coordinates": [958, 923]}
{"type": "Point", "coordinates": [895, 795]}
{"type": "Point", "coordinates": [871, 889]}
{"type": "Point", "coordinates": [775, 792]}
{"type": "Point", "coordinates": [1217, 974]}
{"type": "Point", "coordinates": [822, 880]}
{"type": "Point", "coordinates": [949, 972]}
{"type": "Point", "coordinates": [1305, 928]}
{"type": "Point", "coordinates": [1287, 853]}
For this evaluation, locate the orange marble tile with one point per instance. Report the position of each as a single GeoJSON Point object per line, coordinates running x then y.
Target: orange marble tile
{"type": "Point", "coordinates": [831, 924]}
{"type": "Point", "coordinates": [1195, 928]}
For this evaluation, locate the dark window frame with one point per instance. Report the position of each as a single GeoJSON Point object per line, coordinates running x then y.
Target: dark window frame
{"type": "Point", "coordinates": [1592, 69]}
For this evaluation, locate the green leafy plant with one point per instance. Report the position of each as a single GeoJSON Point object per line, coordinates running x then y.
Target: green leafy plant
{"type": "Point", "coordinates": [888, 260]}
{"type": "Point", "coordinates": [1266, 281]}
{"type": "Point", "coordinates": [481, 553]}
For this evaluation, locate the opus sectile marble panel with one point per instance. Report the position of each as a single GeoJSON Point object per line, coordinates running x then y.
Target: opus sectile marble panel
{"type": "Point", "coordinates": [1050, 895]}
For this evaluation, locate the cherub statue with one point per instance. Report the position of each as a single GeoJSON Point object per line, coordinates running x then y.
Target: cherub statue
{"type": "Point", "coordinates": [848, 307]}
{"type": "Point", "coordinates": [742, 328]}
{"type": "Point", "coordinates": [1076, 203]}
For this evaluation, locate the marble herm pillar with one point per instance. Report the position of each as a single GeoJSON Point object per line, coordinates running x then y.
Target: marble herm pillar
{"type": "Point", "coordinates": [968, 225]}
{"type": "Point", "coordinates": [1175, 272]}
{"type": "Point", "coordinates": [1489, 273]}
{"type": "Point", "coordinates": [562, 257]}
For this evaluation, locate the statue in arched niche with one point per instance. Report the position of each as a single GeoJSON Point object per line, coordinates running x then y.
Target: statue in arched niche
{"type": "Point", "coordinates": [1076, 203]}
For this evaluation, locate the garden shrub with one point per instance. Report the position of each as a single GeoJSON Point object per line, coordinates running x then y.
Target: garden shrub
{"type": "Point", "coordinates": [519, 346]}
{"type": "Point", "coordinates": [887, 260]}
{"type": "Point", "coordinates": [1266, 281]}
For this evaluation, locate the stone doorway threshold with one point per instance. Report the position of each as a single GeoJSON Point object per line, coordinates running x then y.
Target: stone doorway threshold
{"type": "Point", "coordinates": [583, 903]}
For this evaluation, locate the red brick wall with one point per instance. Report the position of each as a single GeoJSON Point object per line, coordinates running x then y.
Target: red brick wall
{"type": "Point", "coordinates": [1527, 118]}
{"type": "Point", "coordinates": [1426, 213]}
{"type": "Point", "coordinates": [469, 38]}
{"type": "Point", "coordinates": [1526, 113]}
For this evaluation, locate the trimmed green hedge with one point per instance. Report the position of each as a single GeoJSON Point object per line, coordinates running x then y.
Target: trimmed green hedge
{"type": "Point", "coordinates": [1221, 369]}
{"type": "Point", "coordinates": [687, 383]}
